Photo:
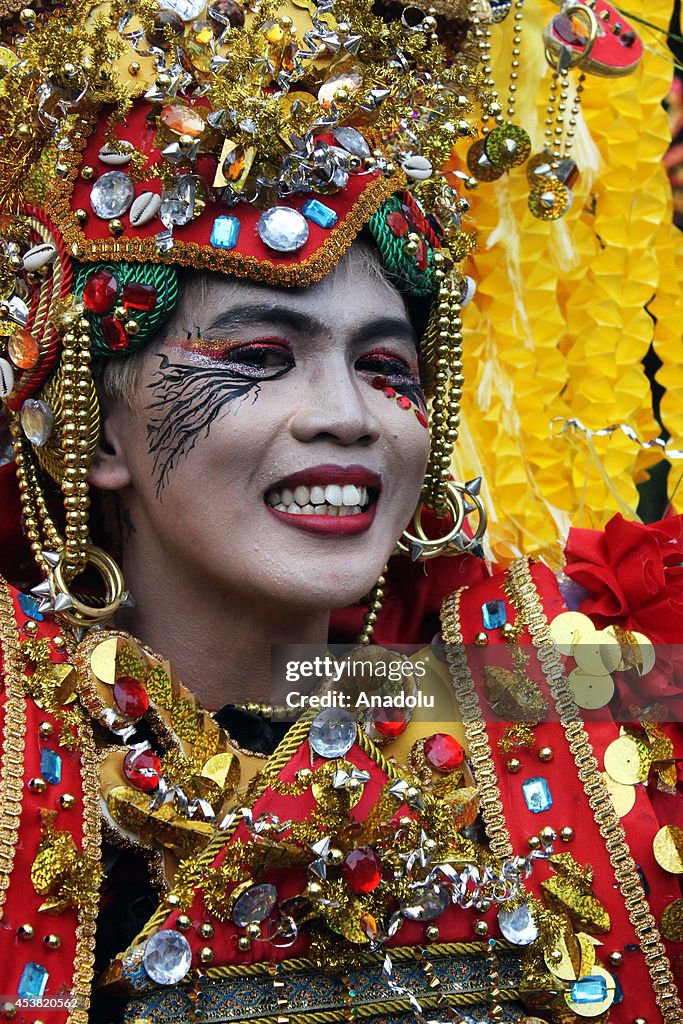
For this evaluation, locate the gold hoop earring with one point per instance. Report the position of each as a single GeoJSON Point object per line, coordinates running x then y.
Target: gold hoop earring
{"type": "Point", "coordinates": [58, 598]}
{"type": "Point", "coordinates": [461, 501]}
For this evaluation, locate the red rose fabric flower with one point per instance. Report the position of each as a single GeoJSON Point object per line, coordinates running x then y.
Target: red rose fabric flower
{"type": "Point", "coordinates": [633, 573]}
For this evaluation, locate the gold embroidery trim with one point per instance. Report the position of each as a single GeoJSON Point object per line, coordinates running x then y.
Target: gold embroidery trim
{"type": "Point", "coordinates": [475, 729]}
{"type": "Point", "coordinates": [14, 730]}
{"type": "Point", "coordinates": [191, 254]}
{"type": "Point", "coordinates": [84, 960]}
{"type": "Point", "coordinates": [522, 591]}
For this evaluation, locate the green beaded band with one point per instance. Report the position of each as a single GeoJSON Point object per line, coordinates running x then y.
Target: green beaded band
{"type": "Point", "coordinates": [400, 265]}
{"type": "Point", "coordinates": [162, 277]}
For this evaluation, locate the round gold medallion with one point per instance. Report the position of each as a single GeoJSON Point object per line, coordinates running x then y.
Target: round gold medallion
{"type": "Point", "coordinates": [591, 691]}
{"type": "Point", "coordinates": [567, 629]}
{"type": "Point", "coordinates": [508, 145]}
{"type": "Point", "coordinates": [623, 797]}
{"type": "Point", "coordinates": [627, 761]}
{"type": "Point", "coordinates": [480, 167]}
{"type": "Point", "coordinates": [550, 199]}
{"type": "Point", "coordinates": [667, 847]}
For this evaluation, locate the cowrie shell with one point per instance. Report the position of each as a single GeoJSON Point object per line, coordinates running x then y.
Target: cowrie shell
{"type": "Point", "coordinates": [417, 167]}
{"type": "Point", "coordinates": [117, 156]}
{"type": "Point", "coordinates": [39, 256]}
{"type": "Point", "coordinates": [469, 287]}
{"type": "Point", "coordinates": [144, 209]}
{"type": "Point", "coordinates": [6, 379]}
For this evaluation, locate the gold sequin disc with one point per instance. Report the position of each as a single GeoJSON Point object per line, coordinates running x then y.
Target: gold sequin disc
{"type": "Point", "coordinates": [567, 629]}
{"type": "Point", "coordinates": [667, 847]}
{"type": "Point", "coordinates": [627, 761]}
{"type": "Point", "coordinates": [623, 797]}
{"type": "Point", "coordinates": [591, 691]}
{"type": "Point", "coordinates": [671, 921]}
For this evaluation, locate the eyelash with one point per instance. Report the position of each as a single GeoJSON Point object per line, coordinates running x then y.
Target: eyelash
{"type": "Point", "coordinates": [391, 366]}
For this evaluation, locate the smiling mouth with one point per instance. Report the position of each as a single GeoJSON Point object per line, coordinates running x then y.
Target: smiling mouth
{"type": "Point", "coordinates": [322, 500]}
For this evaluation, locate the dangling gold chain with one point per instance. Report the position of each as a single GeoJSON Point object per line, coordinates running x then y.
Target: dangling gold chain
{"type": "Point", "coordinates": [12, 776]}
{"type": "Point", "coordinates": [448, 378]}
{"type": "Point", "coordinates": [522, 591]}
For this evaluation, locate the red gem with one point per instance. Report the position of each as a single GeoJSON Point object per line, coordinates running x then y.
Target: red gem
{"type": "Point", "coordinates": [410, 216]}
{"type": "Point", "coordinates": [443, 752]}
{"type": "Point", "coordinates": [130, 696]}
{"type": "Point", "coordinates": [362, 870]}
{"type": "Point", "coordinates": [397, 224]}
{"type": "Point", "coordinates": [389, 722]}
{"type": "Point", "coordinates": [570, 30]}
{"type": "Point", "coordinates": [404, 402]}
{"type": "Point", "coordinates": [101, 291]}
{"type": "Point", "coordinates": [114, 333]}
{"type": "Point", "coordinates": [390, 392]}
{"type": "Point", "coordinates": [379, 383]}
{"type": "Point", "coordinates": [421, 418]}
{"type": "Point", "coordinates": [142, 769]}
{"type": "Point", "coordinates": [139, 296]}
{"type": "Point", "coordinates": [422, 255]}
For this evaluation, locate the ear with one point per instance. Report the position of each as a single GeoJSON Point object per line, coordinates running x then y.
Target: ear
{"type": "Point", "coordinates": [109, 469]}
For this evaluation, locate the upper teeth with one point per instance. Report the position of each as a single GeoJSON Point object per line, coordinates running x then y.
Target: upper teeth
{"type": "Point", "coordinates": [316, 499]}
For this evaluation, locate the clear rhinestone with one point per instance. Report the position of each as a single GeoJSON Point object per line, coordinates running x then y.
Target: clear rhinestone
{"type": "Point", "coordinates": [518, 926]}
{"type": "Point", "coordinates": [352, 141]}
{"type": "Point", "coordinates": [188, 10]}
{"type": "Point", "coordinates": [167, 957]}
{"type": "Point", "coordinates": [111, 195]}
{"type": "Point", "coordinates": [177, 203]}
{"type": "Point", "coordinates": [426, 905]}
{"type": "Point", "coordinates": [37, 421]}
{"type": "Point", "coordinates": [254, 905]}
{"type": "Point", "coordinates": [283, 229]}
{"type": "Point", "coordinates": [332, 732]}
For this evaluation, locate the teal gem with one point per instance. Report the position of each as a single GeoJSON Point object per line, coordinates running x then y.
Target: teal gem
{"type": "Point", "coordinates": [537, 794]}
{"type": "Point", "coordinates": [225, 232]}
{"type": "Point", "coordinates": [320, 214]}
{"type": "Point", "coordinates": [29, 606]}
{"type": "Point", "coordinates": [591, 989]}
{"type": "Point", "coordinates": [33, 981]}
{"type": "Point", "coordinates": [494, 614]}
{"type": "Point", "coordinates": [50, 766]}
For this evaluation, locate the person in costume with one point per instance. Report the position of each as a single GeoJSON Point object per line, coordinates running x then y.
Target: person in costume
{"type": "Point", "coordinates": [231, 276]}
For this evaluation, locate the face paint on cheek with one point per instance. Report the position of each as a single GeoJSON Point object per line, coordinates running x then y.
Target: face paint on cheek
{"type": "Point", "coordinates": [187, 402]}
{"type": "Point", "coordinates": [407, 397]}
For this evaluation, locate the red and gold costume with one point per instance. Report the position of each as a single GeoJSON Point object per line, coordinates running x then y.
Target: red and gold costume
{"type": "Point", "coordinates": [518, 860]}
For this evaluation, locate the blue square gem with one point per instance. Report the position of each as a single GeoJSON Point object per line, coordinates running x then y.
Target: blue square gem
{"type": "Point", "coordinates": [33, 981]}
{"type": "Point", "coordinates": [29, 606]}
{"type": "Point", "coordinates": [537, 794]}
{"type": "Point", "coordinates": [494, 614]}
{"type": "Point", "coordinates": [225, 232]}
{"type": "Point", "coordinates": [591, 989]}
{"type": "Point", "coordinates": [320, 214]}
{"type": "Point", "coordinates": [50, 766]}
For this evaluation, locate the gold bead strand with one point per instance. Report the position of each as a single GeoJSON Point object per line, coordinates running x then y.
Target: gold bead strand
{"type": "Point", "coordinates": [75, 444]}
{"type": "Point", "coordinates": [374, 606]}
{"type": "Point", "coordinates": [445, 415]}
{"type": "Point", "coordinates": [514, 63]}
{"type": "Point", "coordinates": [574, 115]}
{"type": "Point", "coordinates": [26, 474]}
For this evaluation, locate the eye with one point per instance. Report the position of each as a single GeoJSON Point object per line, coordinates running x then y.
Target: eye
{"type": "Point", "coordinates": [389, 365]}
{"type": "Point", "coordinates": [262, 357]}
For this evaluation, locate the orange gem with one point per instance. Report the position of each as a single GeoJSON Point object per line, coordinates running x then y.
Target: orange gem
{"type": "Point", "coordinates": [369, 925]}
{"type": "Point", "coordinates": [273, 32]}
{"type": "Point", "coordinates": [233, 166]}
{"type": "Point", "coordinates": [182, 120]}
{"type": "Point", "coordinates": [23, 349]}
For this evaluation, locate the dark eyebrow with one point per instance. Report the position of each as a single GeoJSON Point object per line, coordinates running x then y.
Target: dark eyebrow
{"type": "Point", "coordinates": [304, 323]}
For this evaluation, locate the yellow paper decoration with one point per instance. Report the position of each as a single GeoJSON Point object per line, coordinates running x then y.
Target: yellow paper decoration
{"type": "Point", "coordinates": [560, 322]}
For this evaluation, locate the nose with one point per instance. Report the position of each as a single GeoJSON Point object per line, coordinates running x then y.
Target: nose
{"type": "Point", "coordinates": [336, 406]}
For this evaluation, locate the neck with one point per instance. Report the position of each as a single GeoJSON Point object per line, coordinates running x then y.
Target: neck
{"type": "Point", "coordinates": [219, 642]}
